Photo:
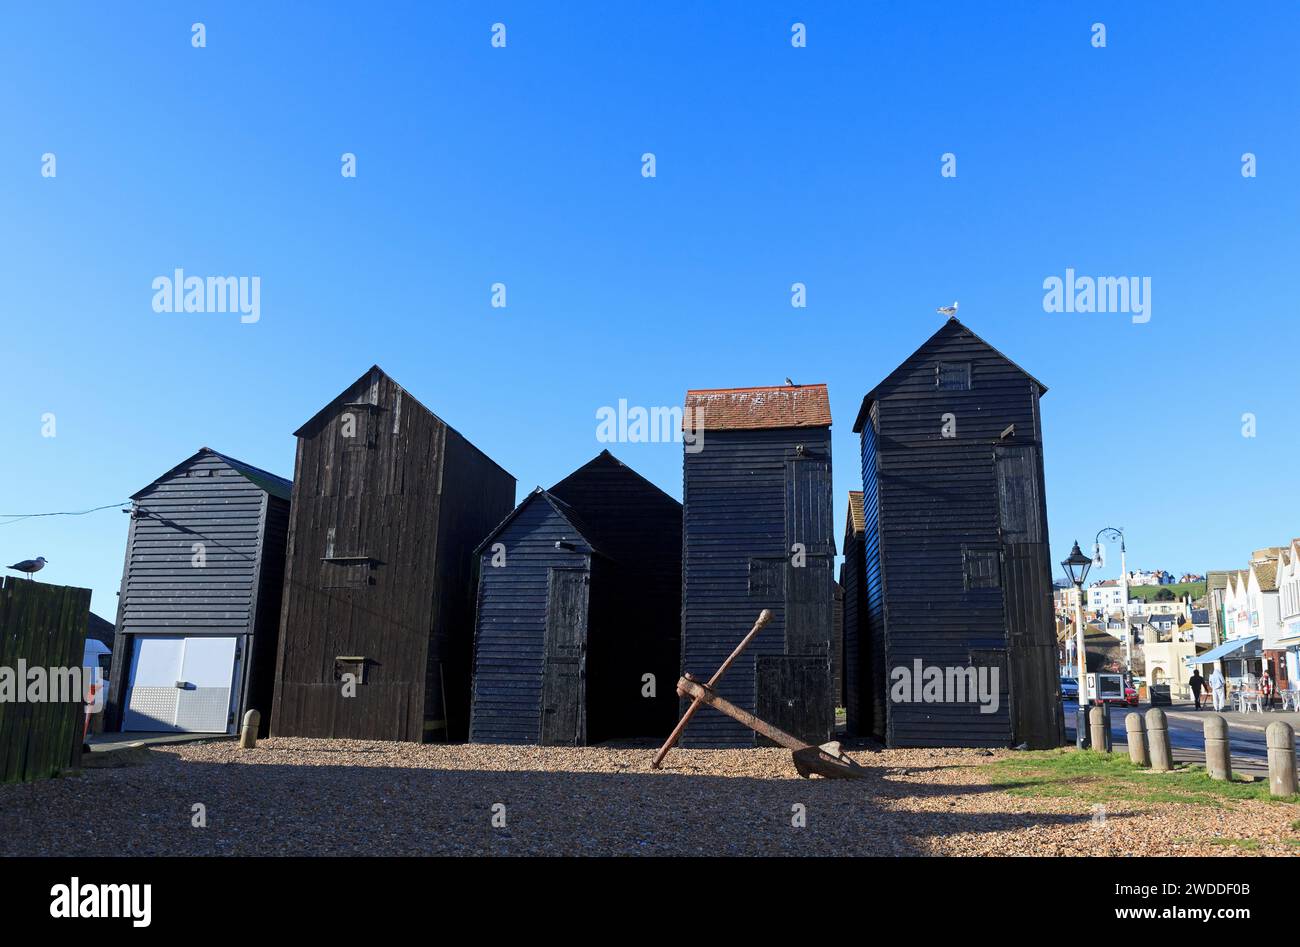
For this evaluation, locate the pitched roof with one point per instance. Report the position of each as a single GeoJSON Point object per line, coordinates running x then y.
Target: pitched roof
{"type": "Point", "coordinates": [952, 327]}
{"type": "Point", "coordinates": [604, 522]}
{"type": "Point", "coordinates": [1217, 579]}
{"type": "Point", "coordinates": [749, 409]}
{"type": "Point", "coordinates": [276, 486]}
{"type": "Point", "coordinates": [606, 459]}
{"type": "Point", "coordinates": [1266, 575]}
{"type": "Point", "coordinates": [100, 629]}
{"type": "Point", "coordinates": [856, 516]}
{"type": "Point", "coordinates": [373, 374]}
{"type": "Point", "coordinates": [560, 507]}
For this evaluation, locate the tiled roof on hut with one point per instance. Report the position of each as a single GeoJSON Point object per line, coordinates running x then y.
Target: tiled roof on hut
{"type": "Point", "coordinates": [776, 406]}
{"type": "Point", "coordinates": [856, 515]}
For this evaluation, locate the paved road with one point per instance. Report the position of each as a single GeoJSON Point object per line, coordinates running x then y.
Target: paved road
{"type": "Point", "coordinates": [1187, 736]}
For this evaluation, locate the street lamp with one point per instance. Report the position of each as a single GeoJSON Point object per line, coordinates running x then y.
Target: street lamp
{"type": "Point", "coordinates": [1111, 533]}
{"type": "Point", "coordinates": [1076, 566]}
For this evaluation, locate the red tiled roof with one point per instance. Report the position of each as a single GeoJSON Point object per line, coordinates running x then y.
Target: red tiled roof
{"type": "Point", "coordinates": [718, 409]}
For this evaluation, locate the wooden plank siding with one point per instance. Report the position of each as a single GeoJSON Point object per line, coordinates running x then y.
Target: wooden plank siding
{"type": "Point", "coordinates": [389, 502]}
{"type": "Point", "coordinates": [510, 634]}
{"type": "Point", "coordinates": [856, 682]}
{"type": "Point", "coordinates": [636, 598]}
{"type": "Point", "coordinates": [933, 507]}
{"type": "Point", "coordinates": [45, 626]}
{"type": "Point", "coordinates": [236, 517]}
{"type": "Point", "coordinates": [871, 626]}
{"type": "Point", "coordinates": [625, 535]}
{"type": "Point", "coordinates": [741, 514]}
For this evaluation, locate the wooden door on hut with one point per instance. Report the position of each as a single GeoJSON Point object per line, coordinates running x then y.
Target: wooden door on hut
{"type": "Point", "coordinates": [564, 658]}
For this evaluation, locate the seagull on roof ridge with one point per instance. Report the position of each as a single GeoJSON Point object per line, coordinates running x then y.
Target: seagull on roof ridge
{"type": "Point", "coordinates": [29, 565]}
{"type": "Point", "coordinates": [948, 310]}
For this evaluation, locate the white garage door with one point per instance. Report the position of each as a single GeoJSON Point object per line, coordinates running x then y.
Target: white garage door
{"type": "Point", "coordinates": [181, 684]}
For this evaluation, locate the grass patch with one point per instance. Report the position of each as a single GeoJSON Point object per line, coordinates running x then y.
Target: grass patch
{"type": "Point", "coordinates": [1248, 844]}
{"type": "Point", "coordinates": [1099, 778]}
{"type": "Point", "coordinates": [1148, 593]}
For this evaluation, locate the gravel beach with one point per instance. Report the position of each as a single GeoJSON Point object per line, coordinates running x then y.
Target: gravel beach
{"type": "Point", "coordinates": [293, 796]}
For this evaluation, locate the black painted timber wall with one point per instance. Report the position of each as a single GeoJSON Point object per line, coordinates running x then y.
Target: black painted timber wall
{"type": "Point", "coordinates": [389, 503]}
{"type": "Point", "coordinates": [958, 574]}
{"type": "Point", "coordinates": [857, 698]}
{"type": "Point", "coordinates": [639, 529]}
{"type": "Point", "coordinates": [632, 624]}
{"type": "Point", "coordinates": [510, 629]}
{"type": "Point", "coordinates": [736, 562]}
{"type": "Point", "coordinates": [208, 499]}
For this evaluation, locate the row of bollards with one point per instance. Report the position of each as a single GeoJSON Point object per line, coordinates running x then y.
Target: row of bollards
{"type": "Point", "coordinates": [1148, 745]}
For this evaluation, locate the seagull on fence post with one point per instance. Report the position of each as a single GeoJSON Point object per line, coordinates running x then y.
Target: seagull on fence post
{"type": "Point", "coordinates": [29, 565]}
{"type": "Point", "coordinates": [948, 310]}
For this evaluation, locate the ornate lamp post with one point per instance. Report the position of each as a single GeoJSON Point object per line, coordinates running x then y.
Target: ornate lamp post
{"type": "Point", "coordinates": [1076, 566]}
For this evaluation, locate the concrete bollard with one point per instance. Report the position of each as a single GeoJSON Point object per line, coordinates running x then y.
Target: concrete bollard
{"type": "Point", "coordinates": [1097, 730]}
{"type": "Point", "coordinates": [1218, 759]}
{"type": "Point", "coordinates": [248, 735]}
{"type": "Point", "coordinates": [1137, 740]}
{"type": "Point", "coordinates": [1281, 758]}
{"type": "Point", "coordinates": [1081, 727]}
{"type": "Point", "coordinates": [1162, 757]}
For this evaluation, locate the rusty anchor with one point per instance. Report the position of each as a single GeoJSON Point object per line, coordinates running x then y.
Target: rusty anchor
{"type": "Point", "coordinates": [827, 760]}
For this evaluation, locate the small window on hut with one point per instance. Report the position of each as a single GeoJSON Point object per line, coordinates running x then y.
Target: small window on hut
{"type": "Point", "coordinates": [354, 427]}
{"type": "Point", "coordinates": [345, 572]}
{"type": "Point", "coordinates": [353, 665]}
{"type": "Point", "coordinates": [954, 376]}
{"type": "Point", "coordinates": [981, 567]}
{"type": "Point", "coordinates": [765, 577]}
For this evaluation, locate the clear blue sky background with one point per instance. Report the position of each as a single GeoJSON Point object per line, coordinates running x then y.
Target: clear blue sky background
{"type": "Point", "coordinates": [522, 165]}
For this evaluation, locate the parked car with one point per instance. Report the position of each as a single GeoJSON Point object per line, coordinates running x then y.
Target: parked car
{"type": "Point", "coordinates": [1069, 688]}
{"type": "Point", "coordinates": [1130, 698]}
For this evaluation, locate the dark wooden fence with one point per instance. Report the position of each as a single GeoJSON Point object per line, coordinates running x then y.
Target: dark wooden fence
{"type": "Point", "coordinates": [45, 626]}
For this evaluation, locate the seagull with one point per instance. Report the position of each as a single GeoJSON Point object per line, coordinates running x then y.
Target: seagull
{"type": "Point", "coordinates": [29, 565]}
{"type": "Point", "coordinates": [789, 382]}
{"type": "Point", "coordinates": [948, 310]}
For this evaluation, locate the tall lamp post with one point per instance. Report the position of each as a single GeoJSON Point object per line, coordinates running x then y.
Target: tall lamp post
{"type": "Point", "coordinates": [1076, 566]}
{"type": "Point", "coordinates": [1112, 533]}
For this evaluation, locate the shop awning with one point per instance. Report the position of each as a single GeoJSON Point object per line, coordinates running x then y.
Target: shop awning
{"type": "Point", "coordinates": [1237, 648]}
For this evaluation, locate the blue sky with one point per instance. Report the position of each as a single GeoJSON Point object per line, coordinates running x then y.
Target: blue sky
{"type": "Point", "coordinates": [522, 165]}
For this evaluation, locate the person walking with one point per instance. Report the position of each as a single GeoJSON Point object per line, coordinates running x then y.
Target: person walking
{"type": "Point", "coordinates": [1197, 683]}
{"type": "Point", "coordinates": [1266, 689]}
{"type": "Point", "coordinates": [1218, 688]}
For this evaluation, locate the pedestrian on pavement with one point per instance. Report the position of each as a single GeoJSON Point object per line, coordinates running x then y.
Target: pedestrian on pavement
{"type": "Point", "coordinates": [1266, 689]}
{"type": "Point", "coordinates": [1197, 683]}
{"type": "Point", "coordinates": [1218, 688]}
